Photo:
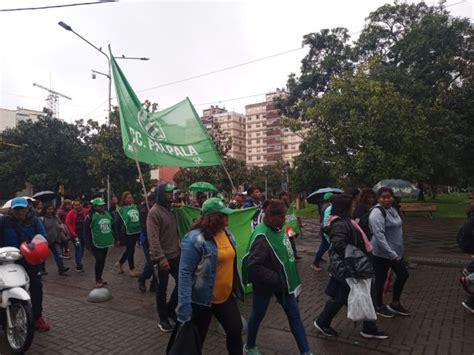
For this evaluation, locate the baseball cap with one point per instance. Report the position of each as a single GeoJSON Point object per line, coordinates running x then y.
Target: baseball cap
{"type": "Point", "coordinates": [19, 202]}
{"type": "Point", "coordinates": [98, 201]}
{"type": "Point", "coordinates": [215, 205]}
{"type": "Point", "coordinates": [169, 187]}
{"type": "Point", "coordinates": [327, 196]}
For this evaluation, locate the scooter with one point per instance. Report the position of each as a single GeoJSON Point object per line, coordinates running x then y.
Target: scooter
{"type": "Point", "coordinates": [16, 313]}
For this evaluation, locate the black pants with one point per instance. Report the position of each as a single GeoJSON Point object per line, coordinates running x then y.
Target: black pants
{"type": "Point", "coordinates": [339, 292]}
{"type": "Point", "coordinates": [293, 246]}
{"type": "Point", "coordinates": [165, 309]}
{"type": "Point", "coordinates": [100, 254]}
{"type": "Point", "coordinates": [129, 253]}
{"type": "Point", "coordinates": [381, 267]}
{"type": "Point", "coordinates": [228, 315]}
{"type": "Point", "coordinates": [36, 288]}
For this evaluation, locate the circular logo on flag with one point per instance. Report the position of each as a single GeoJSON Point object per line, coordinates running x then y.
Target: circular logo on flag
{"type": "Point", "coordinates": [290, 233]}
{"type": "Point", "coordinates": [152, 128]}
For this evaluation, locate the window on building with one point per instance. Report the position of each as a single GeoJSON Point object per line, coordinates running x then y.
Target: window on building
{"type": "Point", "coordinates": [249, 142]}
{"type": "Point", "coordinates": [250, 158]}
{"type": "Point", "coordinates": [258, 157]}
{"type": "Point", "coordinates": [286, 146]}
{"type": "Point", "coordinates": [258, 141]}
{"type": "Point", "coordinates": [257, 126]}
{"type": "Point", "coordinates": [258, 134]}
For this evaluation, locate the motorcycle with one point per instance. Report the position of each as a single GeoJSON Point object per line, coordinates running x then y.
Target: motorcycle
{"type": "Point", "coordinates": [16, 313]}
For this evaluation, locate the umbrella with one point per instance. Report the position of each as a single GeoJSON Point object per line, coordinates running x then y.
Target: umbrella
{"type": "Point", "coordinates": [317, 195]}
{"type": "Point", "coordinates": [45, 195]}
{"type": "Point", "coordinates": [400, 188]}
{"type": "Point", "coordinates": [8, 204]}
{"type": "Point", "coordinates": [203, 187]}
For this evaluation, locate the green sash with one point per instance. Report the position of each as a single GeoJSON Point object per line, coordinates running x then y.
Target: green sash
{"type": "Point", "coordinates": [101, 227]}
{"type": "Point", "coordinates": [131, 219]}
{"type": "Point", "coordinates": [281, 247]}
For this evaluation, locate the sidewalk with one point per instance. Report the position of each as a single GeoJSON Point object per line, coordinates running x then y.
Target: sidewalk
{"type": "Point", "coordinates": [128, 325]}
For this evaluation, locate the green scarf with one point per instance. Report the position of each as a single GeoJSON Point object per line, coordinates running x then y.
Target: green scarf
{"type": "Point", "coordinates": [131, 219]}
{"type": "Point", "coordinates": [281, 247]}
{"type": "Point", "coordinates": [101, 227]}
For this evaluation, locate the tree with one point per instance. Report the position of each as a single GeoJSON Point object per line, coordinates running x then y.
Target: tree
{"type": "Point", "coordinates": [49, 152]}
{"type": "Point", "coordinates": [106, 156]}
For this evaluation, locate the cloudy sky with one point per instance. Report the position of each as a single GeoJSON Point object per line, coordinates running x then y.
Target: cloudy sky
{"type": "Point", "coordinates": [182, 38]}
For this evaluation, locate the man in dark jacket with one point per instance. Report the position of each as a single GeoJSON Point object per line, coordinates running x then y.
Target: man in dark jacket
{"type": "Point", "coordinates": [18, 227]}
{"type": "Point", "coordinates": [162, 233]}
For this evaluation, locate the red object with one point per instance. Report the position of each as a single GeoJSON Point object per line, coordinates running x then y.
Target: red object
{"type": "Point", "coordinates": [290, 233]}
{"type": "Point", "coordinates": [388, 282]}
{"type": "Point", "coordinates": [100, 283]}
{"type": "Point", "coordinates": [71, 218]}
{"type": "Point", "coordinates": [35, 252]}
{"type": "Point", "coordinates": [41, 325]}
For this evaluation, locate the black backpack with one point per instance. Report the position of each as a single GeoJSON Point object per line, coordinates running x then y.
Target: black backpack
{"type": "Point", "coordinates": [364, 221]}
{"type": "Point", "coordinates": [465, 236]}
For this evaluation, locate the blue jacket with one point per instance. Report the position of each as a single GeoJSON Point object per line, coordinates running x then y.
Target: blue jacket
{"type": "Point", "coordinates": [13, 232]}
{"type": "Point", "coordinates": [197, 269]}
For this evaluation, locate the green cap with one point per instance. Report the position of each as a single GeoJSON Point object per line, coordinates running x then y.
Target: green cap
{"type": "Point", "coordinates": [98, 201]}
{"type": "Point", "coordinates": [327, 196]}
{"type": "Point", "coordinates": [170, 187]}
{"type": "Point", "coordinates": [215, 205]}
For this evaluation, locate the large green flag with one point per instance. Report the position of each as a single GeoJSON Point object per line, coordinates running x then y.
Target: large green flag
{"type": "Point", "coordinates": [171, 137]}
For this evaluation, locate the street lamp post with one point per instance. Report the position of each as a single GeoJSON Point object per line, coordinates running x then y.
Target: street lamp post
{"type": "Point", "coordinates": [287, 167]}
{"type": "Point", "coordinates": [109, 76]}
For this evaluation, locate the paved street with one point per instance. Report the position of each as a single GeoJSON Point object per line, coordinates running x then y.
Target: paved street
{"type": "Point", "coordinates": [128, 324]}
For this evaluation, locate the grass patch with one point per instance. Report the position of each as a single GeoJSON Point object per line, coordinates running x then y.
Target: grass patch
{"type": "Point", "coordinates": [308, 211]}
{"type": "Point", "coordinates": [452, 205]}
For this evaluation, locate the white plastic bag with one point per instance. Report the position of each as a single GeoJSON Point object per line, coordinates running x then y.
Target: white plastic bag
{"type": "Point", "coordinates": [359, 302]}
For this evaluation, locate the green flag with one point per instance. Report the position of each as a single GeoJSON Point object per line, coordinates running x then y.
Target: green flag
{"type": "Point", "coordinates": [292, 220]}
{"type": "Point", "coordinates": [171, 137]}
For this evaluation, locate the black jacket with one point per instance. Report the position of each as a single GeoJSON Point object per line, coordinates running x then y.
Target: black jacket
{"type": "Point", "coordinates": [264, 270]}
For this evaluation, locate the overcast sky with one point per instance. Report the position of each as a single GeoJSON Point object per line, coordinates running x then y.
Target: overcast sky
{"type": "Point", "coordinates": [182, 38]}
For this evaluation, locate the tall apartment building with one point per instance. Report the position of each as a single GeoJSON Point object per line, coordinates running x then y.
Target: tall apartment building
{"type": "Point", "coordinates": [232, 127]}
{"type": "Point", "coordinates": [268, 142]}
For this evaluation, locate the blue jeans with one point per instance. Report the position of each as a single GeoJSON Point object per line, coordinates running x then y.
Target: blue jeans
{"type": "Point", "coordinates": [323, 248]}
{"type": "Point", "coordinates": [57, 254]}
{"type": "Point", "coordinates": [289, 303]}
{"type": "Point", "coordinates": [79, 253]}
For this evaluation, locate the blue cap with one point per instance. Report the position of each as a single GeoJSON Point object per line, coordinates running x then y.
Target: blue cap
{"type": "Point", "coordinates": [19, 202]}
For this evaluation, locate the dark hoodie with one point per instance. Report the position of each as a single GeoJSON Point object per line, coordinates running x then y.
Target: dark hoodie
{"type": "Point", "coordinates": [162, 231]}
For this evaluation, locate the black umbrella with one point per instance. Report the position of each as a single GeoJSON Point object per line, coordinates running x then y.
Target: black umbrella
{"type": "Point", "coordinates": [45, 196]}
{"type": "Point", "coordinates": [316, 197]}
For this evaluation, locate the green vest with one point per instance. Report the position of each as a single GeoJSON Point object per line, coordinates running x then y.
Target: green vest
{"type": "Point", "coordinates": [101, 227]}
{"type": "Point", "coordinates": [131, 219]}
{"type": "Point", "coordinates": [281, 247]}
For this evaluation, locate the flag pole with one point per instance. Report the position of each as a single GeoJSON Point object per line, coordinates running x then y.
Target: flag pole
{"type": "Point", "coordinates": [140, 175]}
{"type": "Point", "coordinates": [228, 175]}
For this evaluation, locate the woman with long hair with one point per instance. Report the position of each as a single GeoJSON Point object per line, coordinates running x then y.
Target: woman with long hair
{"type": "Point", "coordinates": [342, 232]}
{"type": "Point", "coordinates": [128, 231]}
{"type": "Point", "coordinates": [208, 278]}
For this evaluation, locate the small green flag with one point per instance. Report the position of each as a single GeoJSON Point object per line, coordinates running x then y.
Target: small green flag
{"type": "Point", "coordinates": [171, 137]}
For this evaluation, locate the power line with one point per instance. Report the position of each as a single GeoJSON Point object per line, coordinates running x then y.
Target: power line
{"type": "Point", "coordinates": [227, 100]}
{"type": "Point", "coordinates": [57, 6]}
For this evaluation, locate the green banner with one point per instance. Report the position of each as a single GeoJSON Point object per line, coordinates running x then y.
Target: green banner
{"type": "Point", "coordinates": [171, 137]}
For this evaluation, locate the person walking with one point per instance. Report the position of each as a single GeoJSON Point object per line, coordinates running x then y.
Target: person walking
{"type": "Point", "coordinates": [162, 233]}
{"type": "Point", "coordinates": [75, 224]}
{"type": "Point", "coordinates": [388, 252]}
{"type": "Point", "coordinates": [148, 268]}
{"type": "Point", "coordinates": [254, 197]}
{"type": "Point", "coordinates": [53, 227]}
{"type": "Point", "coordinates": [98, 236]}
{"type": "Point", "coordinates": [237, 202]}
{"type": "Point", "coordinates": [270, 267]}
{"type": "Point", "coordinates": [62, 212]}
{"type": "Point", "coordinates": [323, 218]}
{"type": "Point", "coordinates": [466, 242]}
{"type": "Point", "coordinates": [15, 228]}
{"type": "Point", "coordinates": [209, 279]}
{"type": "Point", "coordinates": [363, 208]}
{"type": "Point", "coordinates": [342, 232]}
{"type": "Point", "coordinates": [128, 231]}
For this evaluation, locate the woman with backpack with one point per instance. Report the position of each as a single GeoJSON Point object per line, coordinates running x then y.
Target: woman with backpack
{"type": "Point", "coordinates": [388, 252]}
{"type": "Point", "coordinates": [466, 243]}
{"type": "Point", "coordinates": [55, 234]}
{"type": "Point", "coordinates": [343, 232]}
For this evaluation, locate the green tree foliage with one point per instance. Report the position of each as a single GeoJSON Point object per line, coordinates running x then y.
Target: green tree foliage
{"type": "Point", "coordinates": [396, 103]}
{"type": "Point", "coordinates": [48, 153]}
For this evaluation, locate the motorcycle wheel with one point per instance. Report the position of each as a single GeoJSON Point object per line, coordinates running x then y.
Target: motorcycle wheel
{"type": "Point", "coordinates": [20, 335]}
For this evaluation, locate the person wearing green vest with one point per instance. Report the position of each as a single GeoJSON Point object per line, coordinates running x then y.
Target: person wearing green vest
{"type": "Point", "coordinates": [128, 230]}
{"type": "Point", "coordinates": [270, 267]}
{"type": "Point", "coordinates": [98, 236]}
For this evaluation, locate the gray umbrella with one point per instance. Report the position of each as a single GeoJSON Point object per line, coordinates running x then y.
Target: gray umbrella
{"type": "Point", "coordinates": [401, 188]}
